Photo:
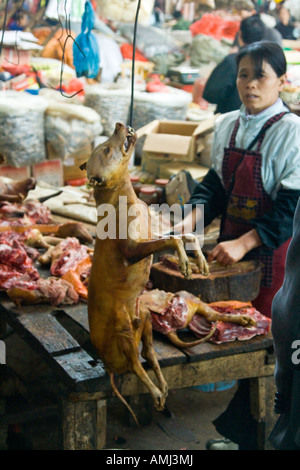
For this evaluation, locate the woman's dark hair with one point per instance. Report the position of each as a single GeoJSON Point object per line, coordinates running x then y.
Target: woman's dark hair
{"type": "Point", "coordinates": [264, 51]}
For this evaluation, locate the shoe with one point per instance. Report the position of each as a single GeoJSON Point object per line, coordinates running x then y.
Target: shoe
{"type": "Point", "coordinates": [221, 444]}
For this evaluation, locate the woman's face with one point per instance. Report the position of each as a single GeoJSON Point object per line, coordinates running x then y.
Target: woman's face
{"type": "Point", "coordinates": [259, 93]}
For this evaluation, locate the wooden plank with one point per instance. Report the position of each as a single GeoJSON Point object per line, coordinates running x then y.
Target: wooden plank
{"type": "Point", "coordinates": [250, 365]}
{"type": "Point", "coordinates": [45, 329]}
{"type": "Point", "coordinates": [209, 350]}
{"type": "Point", "coordinates": [198, 373]}
{"type": "Point", "coordinates": [78, 313]}
{"type": "Point", "coordinates": [80, 371]}
{"type": "Point", "coordinates": [59, 349]}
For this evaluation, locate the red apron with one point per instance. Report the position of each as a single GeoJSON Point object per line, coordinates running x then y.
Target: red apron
{"type": "Point", "coordinates": [247, 199]}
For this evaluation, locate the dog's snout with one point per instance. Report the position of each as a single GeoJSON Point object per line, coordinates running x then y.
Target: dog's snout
{"type": "Point", "coordinates": [96, 180]}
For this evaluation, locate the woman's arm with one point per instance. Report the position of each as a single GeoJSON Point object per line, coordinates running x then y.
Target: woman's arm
{"type": "Point", "coordinates": [232, 251]}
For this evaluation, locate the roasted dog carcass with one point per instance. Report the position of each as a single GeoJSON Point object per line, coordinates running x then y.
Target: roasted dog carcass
{"type": "Point", "coordinates": [121, 267]}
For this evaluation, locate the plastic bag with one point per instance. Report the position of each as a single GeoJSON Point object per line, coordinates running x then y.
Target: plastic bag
{"type": "Point", "coordinates": [214, 26]}
{"type": "Point", "coordinates": [22, 137]}
{"type": "Point", "coordinates": [86, 54]}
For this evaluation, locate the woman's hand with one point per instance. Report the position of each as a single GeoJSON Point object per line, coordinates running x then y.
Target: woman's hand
{"type": "Point", "coordinates": [227, 252]}
{"type": "Point", "coordinates": [232, 251]}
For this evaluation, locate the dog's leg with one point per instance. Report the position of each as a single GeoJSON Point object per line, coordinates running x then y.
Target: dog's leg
{"type": "Point", "coordinates": [199, 257]}
{"type": "Point", "coordinates": [158, 396]}
{"type": "Point", "coordinates": [136, 251]}
{"type": "Point", "coordinates": [149, 354]}
{"type": "Point", "coordinates": [128, 346]}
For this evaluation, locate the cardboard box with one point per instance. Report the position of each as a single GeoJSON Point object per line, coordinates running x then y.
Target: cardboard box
{"type": "Point", "coordinates": [49, 171]}
{"type": "Point", "coordinates": [70, 165]}
{"type": "Point", "coordinates": [15, 173]}
{"type": "Point", "coordinates": [174, 140]}
{"type": "Point", "coordinates": [165, 168]}
{"type": "Point", "coordinates": [15, 56]}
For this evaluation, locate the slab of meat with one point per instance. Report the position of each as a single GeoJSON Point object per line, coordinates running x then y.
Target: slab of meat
{"type": "Point", "coordinates": [53, 291]}
{"type": "Point", "coordinates": [29, 212]}
{"type": "Point", "coordinates": [226, 332]}
{"type": "Point", "coordinates": [173, 318]}
{"type": "Point", "coordinates": [9, 237]}
{"type": "Point", "coordinates": [67, 255]}
{"type": "Point", "coordinates": [16, 267]}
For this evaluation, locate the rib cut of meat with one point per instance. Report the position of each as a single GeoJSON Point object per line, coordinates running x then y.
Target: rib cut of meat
{"type": "Point", "coordinates": [226, 332]}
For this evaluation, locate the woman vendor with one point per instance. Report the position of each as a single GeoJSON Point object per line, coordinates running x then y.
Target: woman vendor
{"type": "Point", "coordinates": [254, 184]}
{"type": "Point", "coordinates": [254, 181]}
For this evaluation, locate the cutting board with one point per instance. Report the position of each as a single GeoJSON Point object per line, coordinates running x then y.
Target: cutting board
{"type": "Point", "coordinates": [239, 281]}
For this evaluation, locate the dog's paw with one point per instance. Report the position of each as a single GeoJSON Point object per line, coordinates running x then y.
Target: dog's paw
{"type": "Point", "coordinates": [186, 269]}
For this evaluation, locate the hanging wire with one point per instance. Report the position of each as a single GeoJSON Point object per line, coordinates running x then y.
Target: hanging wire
{"type": "Point", "coordinates": [4, 25]}
{"type": "Point", "coordinates": [133, 63]}
{"type": "Point", "coordinates": [18, 16]}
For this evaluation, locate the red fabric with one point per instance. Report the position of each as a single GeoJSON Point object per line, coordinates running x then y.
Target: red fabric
{"type": "Point", "coordinates": [127, 53]}
{"type": "Point", "coordinates": [263, 301]}
{"type": "Point", "coordinates": [215, 26]}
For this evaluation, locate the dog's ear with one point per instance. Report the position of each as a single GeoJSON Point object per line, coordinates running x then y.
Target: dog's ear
{"type": "Point", "coordinates": [83, 166]}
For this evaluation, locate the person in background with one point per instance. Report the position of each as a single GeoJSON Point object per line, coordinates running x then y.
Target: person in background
{"type": "Point", "coordinates": [254, 185]}
{"type": "Point", "coordinates": [220, 87]}
{"type": "Point", "coordinates": [286, 336]}
{"type": "Point", "coordinates": [284, 24]}
{"type": "Point", "coordinates": [246, 8]}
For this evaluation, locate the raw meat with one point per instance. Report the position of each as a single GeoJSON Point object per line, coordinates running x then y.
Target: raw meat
{"type": "Point", "coordinates": [226, 332]}
{"type": "Point", "coordinates": [29, 212]}
{"type": "Point", "coordinates": [66, 255]}
{"type": "Point", "coordinates": [16, 267]}
{"type": "Point", "coordinates": [51, 290]}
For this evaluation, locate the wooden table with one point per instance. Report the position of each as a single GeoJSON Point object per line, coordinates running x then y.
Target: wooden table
{"type": "Point", "coordinates": [51, 332]}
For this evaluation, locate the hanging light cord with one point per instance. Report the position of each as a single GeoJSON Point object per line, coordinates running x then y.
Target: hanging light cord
{"type": "Point", "coordinates": [133, 62]}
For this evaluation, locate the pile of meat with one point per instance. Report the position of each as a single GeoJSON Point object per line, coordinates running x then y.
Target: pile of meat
{"type": "Point", "coordinates": [69, 261]}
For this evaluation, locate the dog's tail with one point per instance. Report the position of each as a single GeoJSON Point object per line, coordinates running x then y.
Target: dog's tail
{"type": "Point", "coordinates": [118, 394]}
{"type": "Point", "coordinates": [184, 344]}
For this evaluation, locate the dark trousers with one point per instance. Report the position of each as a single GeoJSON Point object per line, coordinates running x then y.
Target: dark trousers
{"type": "Point", "coordinates": [236, 422]}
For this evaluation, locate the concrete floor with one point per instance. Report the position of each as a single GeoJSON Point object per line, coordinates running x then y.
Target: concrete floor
{"type": "Point", "coordinates": [187, 424]}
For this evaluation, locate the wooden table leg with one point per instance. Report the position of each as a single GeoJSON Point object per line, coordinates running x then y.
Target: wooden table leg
{"type": "Point", "coordinates": [262, 391]}
{"type": "Point", "coordinates": [83, 425]}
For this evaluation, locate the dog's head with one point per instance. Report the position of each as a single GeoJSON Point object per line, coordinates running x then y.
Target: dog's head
{"type": "Point", "coordinates": [109, 160]}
